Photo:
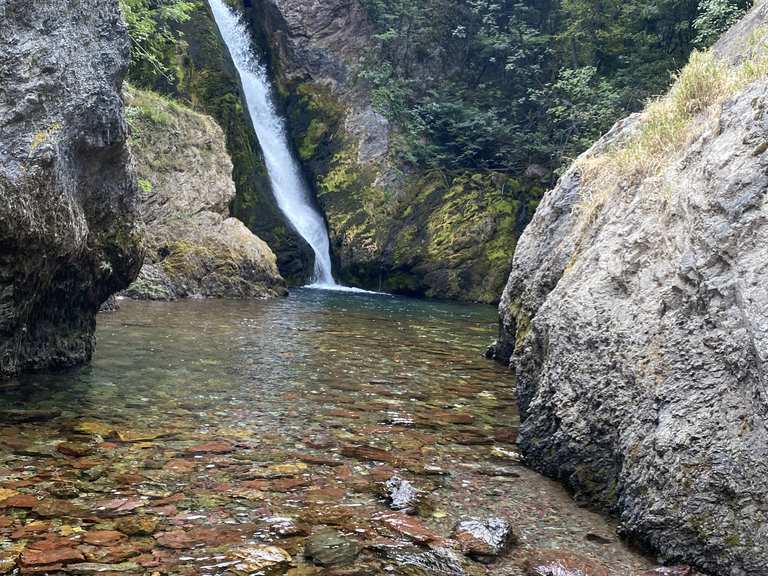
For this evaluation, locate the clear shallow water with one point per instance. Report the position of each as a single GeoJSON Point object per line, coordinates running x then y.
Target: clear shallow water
{"type": "Point", "coordinates": [281, 388]}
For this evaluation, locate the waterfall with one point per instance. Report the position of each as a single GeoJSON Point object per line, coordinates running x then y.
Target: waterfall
{"type": "Point", "coordinates": [288, 185]}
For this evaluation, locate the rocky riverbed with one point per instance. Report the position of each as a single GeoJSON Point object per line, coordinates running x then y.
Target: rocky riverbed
{"type": "Point", "coordinates": [320, 434]}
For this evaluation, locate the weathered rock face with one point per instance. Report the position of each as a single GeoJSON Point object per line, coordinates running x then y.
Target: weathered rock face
{"type": "Point", "coordinates": [640, 343]}
{"type": "Point", "coordinates": [392, 227]}
{"type": "Point", "coordinates": [69, 236]}
{"type": "Point", "coordinates": [185, 177]}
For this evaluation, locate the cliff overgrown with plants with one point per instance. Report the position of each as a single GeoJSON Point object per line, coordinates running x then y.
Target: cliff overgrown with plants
{"type": "Point", "coordinates": [428, 129]}
{"type": "Point", "coordinates": [177, 53]}
{"type": "Point", "coordinates": [503, 84]}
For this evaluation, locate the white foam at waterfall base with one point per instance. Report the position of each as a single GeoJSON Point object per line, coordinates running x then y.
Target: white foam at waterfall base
{"type": "Point", "coordinates": [288, 185]}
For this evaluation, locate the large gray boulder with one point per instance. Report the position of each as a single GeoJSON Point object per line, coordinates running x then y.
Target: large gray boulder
{"type": "Point", "coordinates": [69, 236]}
{"type": "Point", "coordinates": [194, 248]}
{"type": "Point", "coordinates": [640, 341]}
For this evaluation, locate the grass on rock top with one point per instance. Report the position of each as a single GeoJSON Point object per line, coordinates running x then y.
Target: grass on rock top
{"type": "Point", "coordinates": [669, 123]}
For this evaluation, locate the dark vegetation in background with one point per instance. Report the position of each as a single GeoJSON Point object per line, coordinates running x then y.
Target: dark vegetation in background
{"type": "Point", "coordinates": [503, 84]}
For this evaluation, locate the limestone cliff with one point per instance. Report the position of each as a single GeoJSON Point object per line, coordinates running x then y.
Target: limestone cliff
{"type": "Point", "coordinates": [69, 235]}
{"type": "Point", "coordinates": [636, 317]}
{"type": "Point", "coordinates": [185, 177]}
{"type": "Point", "coordinates": [392, 227]}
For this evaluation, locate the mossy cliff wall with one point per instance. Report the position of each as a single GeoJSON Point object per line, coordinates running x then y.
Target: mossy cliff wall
{"type": "Point", "coordinates": [392, 227]}
{"type": "Point", "coordinates": [204, 78]}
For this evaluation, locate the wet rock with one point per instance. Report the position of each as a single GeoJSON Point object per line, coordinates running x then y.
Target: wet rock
{"type": "Point", "coordinates": [276, 471]}
{"type": "Point", "coordinates": [76, 449]}
{"type": "Point", "coordinates": [409, 527]}
{"type": "Point", "coordinates": [597, 538]}
{"type": "Point", "coordinates": [103, 537]}
{"type": "Point", "coordinates": [23, 416]}
{"type": "Point", "coordinates": [670, 571]}
{"type": "Point", "coordinates": [261, 559]}
{"type": "Point", "coordinates": [328, 547]}
{"type": "Point", "coordinates": [137, 525]}
{"type": "Point", "coordinates": [45, 557]}
{"type": "Point", "coordinates": [484, 540]}
{"type": "Point", "coordinates": [284, 527]}
{"type": "Point", "coordinates": [215, 447]}
{"type": "Point", "coordinates": [368, 453]}
{"type": "Point", "coordinates": [95, 567]}
{"type": "Point", "coordinates": [408, 560]}
{"type": "Point", "coordinates": [24, 501]}
{"type": "Point", "coordinates": [55, 508]}
{"type": "Point", "coordinates": [401, 495]}
{"type": "Point", "coordinates": [562, 563]}
{"type": "Point", "coordinates": [319, 460]}
{"type": "Point", "coordinates": [64, 490]}
{"type": "Point", "coordinates": [93, 428]}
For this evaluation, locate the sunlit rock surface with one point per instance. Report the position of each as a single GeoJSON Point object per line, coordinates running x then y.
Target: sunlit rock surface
{"type": "Point", "coordinates": [640, 342]}
{"type": "Point", "coordinates": [194, 248]}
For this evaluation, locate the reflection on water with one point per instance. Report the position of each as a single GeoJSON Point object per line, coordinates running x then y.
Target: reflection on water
{"type": "Point", "coordinates": [212, 418]}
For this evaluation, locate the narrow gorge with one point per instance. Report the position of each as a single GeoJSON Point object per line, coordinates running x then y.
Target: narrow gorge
{"type": "Point", "coordinates": [251, 253]}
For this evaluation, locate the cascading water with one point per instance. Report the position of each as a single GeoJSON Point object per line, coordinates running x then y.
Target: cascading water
{"type": "Point", "coordinates": [288, 185]}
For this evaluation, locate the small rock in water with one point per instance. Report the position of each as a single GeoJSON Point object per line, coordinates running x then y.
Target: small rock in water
{"type": "Point", "coordinates": [562, 563]}
{"type": "Point", "coordinates": [328, 547]}
{"type": "Point", "coordinates": [401, 495]}
{"type": "Point", "coordinates": [283, 527]}
{"type": "Point", "coordinates": [75, 449]}
{"type": "Point", "coordinates": [670, 571]}
{"type": "Point", "coordinates": [137, 525]}
{"type": "Point", "coordinates": [412, 561]}
{"type": "Point", "coordinates": [262, 559]}
{"type": "Point", "coordinates": [409, 527]}
{"type": "Point", "coordinates": [597, 538]}
{"type": "Point", "coordinates": [88, 567]}
{"type": "Point", "coordinates": [484, 540]}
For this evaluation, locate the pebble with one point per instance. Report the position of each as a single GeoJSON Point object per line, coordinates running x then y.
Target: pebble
{"type": "Point", "coordinates": [328, 547]}
{"type": "Point", "coordinates": [484, 540]}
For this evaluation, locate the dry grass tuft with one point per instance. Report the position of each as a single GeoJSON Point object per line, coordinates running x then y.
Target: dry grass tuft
{"type": "Point", "coordinates": [669, 124]}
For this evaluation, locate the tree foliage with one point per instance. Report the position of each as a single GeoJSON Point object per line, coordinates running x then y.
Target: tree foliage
{"type": "Point", "coordinates": [152, 27]}
{"type": "Point", "coordinates": [715, 17]}
{"type": "Point", "coordinates": [502, 84]}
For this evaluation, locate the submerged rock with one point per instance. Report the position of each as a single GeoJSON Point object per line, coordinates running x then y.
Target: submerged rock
{"type": "Point", "coordinates": [185, 174]}
{"type": "Point", "coordinates": [484, 539]}
{"type": "Point", "coordinates": [563, 563]}
{"type": "Point", "coordinates": [328, 547]}
{"type": "Point", "coordinates": [413, 561]}
{"type": "Point", "coordinates": [670, 571]}
{"type": "Point", "coordinates": [69, 226]}
{"type": "Point", "coordinates": [261, 559]}
{"type": "Point", "coordinates": [402, 495]}
{"type": "Point", "coordinates": [639, 335]}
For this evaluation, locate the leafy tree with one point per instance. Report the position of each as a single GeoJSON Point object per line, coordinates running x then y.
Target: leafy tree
{"type": "Point", "coordinates": [715, 17]}
{"type": "Point", "coordinates": [154, 38]}
{"type": "Point", "coordinates": [580, 106]}
{"type": "Point", "coordinates": [501, 84]}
